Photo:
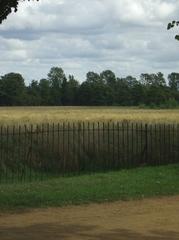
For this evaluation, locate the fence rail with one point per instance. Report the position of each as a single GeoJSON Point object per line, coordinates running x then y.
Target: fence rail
{"type": "Point", "coordinates": [35, 152]}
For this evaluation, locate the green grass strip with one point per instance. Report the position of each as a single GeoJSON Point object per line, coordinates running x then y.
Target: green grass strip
{"type": "Point", "coordinates": [122, 185]}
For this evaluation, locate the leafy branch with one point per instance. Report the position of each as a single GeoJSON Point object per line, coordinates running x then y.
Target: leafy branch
{"type": "Point", "coordinates": [172, 25]}
{"type": "Point", "coordinates": [6, 7]}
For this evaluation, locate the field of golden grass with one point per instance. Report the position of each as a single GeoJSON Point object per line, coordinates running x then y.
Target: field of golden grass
{"type": "Point", "coordinates": [34, 115]}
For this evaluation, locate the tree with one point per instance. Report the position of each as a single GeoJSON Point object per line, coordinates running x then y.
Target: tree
{"type": "Point", "coordinates": [122, 92]}
{"type": "Point", "coordinates": [33, 96]}
{"type": "Point", "coordinates": [153, 79]}
{"type": "Point", "coordinates": [92, 77]}
{"type": "Point", "coordinates": [145, 79]}
{"type": "Point", "coordinates": [94, 91]}
{"type": "Point", "coordinates": [159, 79]}
{"type": "Point", "coordinates": [136, 91]}
{"type": "Point", "coordinates": [131, 81]}
{"type": "Point", "coordinates": [138, 94]}
{"type": "Point", "coordinates": [45, 92]}
{"type": "Point", "coordinates": [156, 95]}
{"type": "Point", "coordinates": [69, 91]}
{"type": "Point", "coordinates": [56, 77]}
{"type": "Point", "coordinates": [108, 77]}
{"type": "Point", "coordinates": [173, 81]}
{"type": "Point", "coordinates": [12, 89]}
{"type": "Point", "coordinates": [6, 7]}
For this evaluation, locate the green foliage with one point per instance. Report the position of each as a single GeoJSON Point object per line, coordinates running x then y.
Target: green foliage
{"type": "Point", "coordinates": [56, 78]}
{"type": "Point", "coordinates": [70, 96]}
{"type": "Point", "coordinates": [172, 25]}
{"type": "Point", "coordinates": [108, 77]}
{"type": "Point", "coordinates": [174, 80]}
{"type": "Point", "coordinates": [153, 79]}
{"type": "Point", "coordinates": [12, 88]}
{"type": "Point", "coordinates": [170, 103]}
{"type": "Point", "coordinates": [6, 7]}
{"type": "Point", "coordinates": [45, 92]}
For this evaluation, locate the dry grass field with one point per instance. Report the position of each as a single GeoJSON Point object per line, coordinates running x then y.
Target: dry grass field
{"type": "Point", "coordinates": [34, 115]}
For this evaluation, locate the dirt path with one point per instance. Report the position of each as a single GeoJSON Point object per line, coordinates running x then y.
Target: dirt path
{"type": "Point", "coordinates": [154, 219]}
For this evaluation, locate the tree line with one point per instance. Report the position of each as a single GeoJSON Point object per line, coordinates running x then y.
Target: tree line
{"type": "Point", "coordinates": [104, 89]}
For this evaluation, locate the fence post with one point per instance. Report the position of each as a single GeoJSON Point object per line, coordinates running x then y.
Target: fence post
{"type": "Point", "coordinates": [177, 143]}
{"type": "Point", "coordinates": [146, 143]}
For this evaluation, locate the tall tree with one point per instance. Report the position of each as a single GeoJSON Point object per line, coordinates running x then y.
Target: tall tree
{"type": "Point", "coordinates": [12, 89]}
{"type": "Point", "coordinates": [153, 79]}
{"type": "Point", "coordinates": [131, 81]}
{"type": "Point", "coordinates": [94, 91]}
{"type": "Point", "coordinates": [69, 91]}
{"type": "Point", "coordinates": [173, 81]}
{"type": "Point", "coordinates": [138, 94]}
{"type": "Point", "coordinates": [33, 96]}
{"type": "Point", "coordinates": [156, 95]}
{"type": "Point", "coordinates": [145, 79]}
{"type": "Point", "coordinates": [136, 91]}
{"type": "Point", "coordinates": [45, 92]}
{"type": "Point", "coordinates": [56, 77]}
{"type": "Point", "coordinates": [108, 77]}
{"type": "Point", "coordinates": [122, 92]}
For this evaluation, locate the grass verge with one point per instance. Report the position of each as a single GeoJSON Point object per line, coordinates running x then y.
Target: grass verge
{"type": "Point", "coordinates": [100, 187]}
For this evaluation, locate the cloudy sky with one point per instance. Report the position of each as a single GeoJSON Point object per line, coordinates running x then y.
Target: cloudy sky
{"type": "Point", "coordinates": [128, 37]}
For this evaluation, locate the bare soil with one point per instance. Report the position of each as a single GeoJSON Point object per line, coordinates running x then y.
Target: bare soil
{"type": "Point", "coordinates": [152, 219]}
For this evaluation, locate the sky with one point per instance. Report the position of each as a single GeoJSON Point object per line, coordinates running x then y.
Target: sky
{"type": "Point", "coordinates": [127, 37]}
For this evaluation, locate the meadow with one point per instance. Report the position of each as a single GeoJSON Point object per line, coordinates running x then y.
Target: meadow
{"type": "Point", "coordinates": [36, 115]}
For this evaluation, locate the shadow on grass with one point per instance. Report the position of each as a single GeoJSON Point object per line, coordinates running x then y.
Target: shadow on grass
{"type": "Point", "coordinates": [65, 232]}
